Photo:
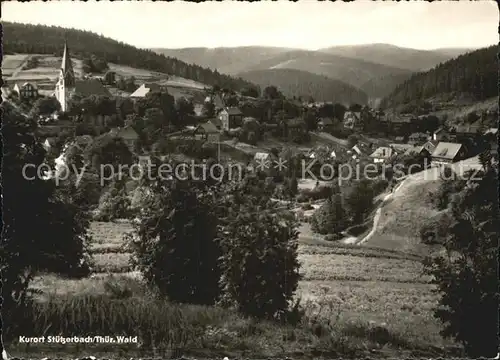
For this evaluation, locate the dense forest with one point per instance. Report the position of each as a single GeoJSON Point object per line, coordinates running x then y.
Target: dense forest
{"type": "Point", "coordinates": [297, 83]}
{"type": "Point", "coordinates": [24, 38]}
{"type": "Point", "coordinates": [474, 73]}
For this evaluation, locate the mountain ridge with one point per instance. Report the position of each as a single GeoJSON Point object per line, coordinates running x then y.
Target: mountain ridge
{"type": "Point", "coordinates": [377, 79]}
{"type": "Point", "coordinates": [295, 83]}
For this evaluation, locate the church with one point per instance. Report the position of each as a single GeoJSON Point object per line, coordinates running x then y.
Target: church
{"type": "Point", "coordinates": [68, 85]}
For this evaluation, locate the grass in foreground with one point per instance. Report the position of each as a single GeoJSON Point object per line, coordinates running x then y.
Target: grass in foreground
{"type": "Point", "coordinates": [124, 306]}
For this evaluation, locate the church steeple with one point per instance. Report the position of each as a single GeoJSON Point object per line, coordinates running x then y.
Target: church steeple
{"type": "Point", "coordinates": [67, 68]}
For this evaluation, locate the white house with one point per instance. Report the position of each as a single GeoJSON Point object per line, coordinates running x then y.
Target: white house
{"type": "Point", "coordinates": [382, 154]}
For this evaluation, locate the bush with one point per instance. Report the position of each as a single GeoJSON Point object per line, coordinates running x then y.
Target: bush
{"type": "Point", "coordinates": [359, 201]}
{"type": "Point", "coordinates": [449, 186]}
{"type": "Point", "coordinates": [43, 229]}
{"type": "Point", "coordinates": [259, 261]}
{"type": "Point", "coordinates": [435, 230]}
{"type": "Point", "coordinates": [330, 218]}
{"type": "Point", "coordinates": [467, 277]}
{"type": "Point", "coordinates": [174, 243]}
{"type": "Point", "coordinates": [379, 186]}
{"type": "Point", "coordinates": [114, 205]}
{"type": "Point", "coordinates": [320, 192]}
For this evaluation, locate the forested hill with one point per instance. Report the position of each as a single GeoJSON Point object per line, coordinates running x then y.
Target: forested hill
{"type": "Point", "coordinates": [304, 84]}
{"type": "Point", "coordinates": [474, 74]}
{"type": "Point", "coordinates": [39, 39]}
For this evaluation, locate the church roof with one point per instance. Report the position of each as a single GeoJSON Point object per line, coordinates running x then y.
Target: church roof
{"type": "Point", "coordinates": [90, 87]}
{"type": "Point", "coordinates": [67, 67]}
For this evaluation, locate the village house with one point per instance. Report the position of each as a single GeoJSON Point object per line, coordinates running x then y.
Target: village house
{"type": "Point", "coordinates": [382, 154]}
{"type": "Point", "coordinates": [325, 124]}
{"type": "Point", "coordinates": [198, 110]}
{"type": "Point", "coordinates": [128, 135]}
{"type": "Point", "coordinates": [262, 161]}
{"type": "Point", "coordinates": [313, 154]}
{"type": "Point", "coordinates": [491, 137]}
{"type": "Point", "coordinates": [145, 89]}
{"type": "Point", "coordinates": [68, 86]}
{"type": "Point", "coordinates": [469, 130]}
{"type": "Point", "coordinates": [218, 102]}
{"type": "Point", "coordinates": [216, 122]}
{"type": "Point", "coordinates": [418, 150]}
{"type": "Point", "coordinates": [402, 125]}
{"type": "Point", "coordinates": [355, 152]}
{"type": "Point", "coordinates": [430, 146]}
{"type": "Point", "coordinates": [230, 117]}
{"type": "Point", "coordinates": [352, 120]}
{"type": "Point", "coordinates": [400, 148]}
{"type": "Point", "coordinates": [293, 127]}
{"type": "Point", "coordinates": [208, 132]}
{"type": "Point", "coordinates": [26, 90]}
{"type": "Point", "coordinates": [418, 138]}
{"type": "Point", "coordinates": [440, 135]}
{"type": "Point", "coordinates": [49, 143]}
{"type": "Point", "coordinates": [447, 153]}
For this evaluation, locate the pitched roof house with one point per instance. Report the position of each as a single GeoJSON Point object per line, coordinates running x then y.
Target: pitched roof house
{"type": "Point", "coordinates": [207, 131]}
{"type": "Point", "coordinates": [468, 129]}
{"type": "Point", "coordinates": [400, 148]}
{"type": "Point", "coordinates": [261, 156]}
{"type": "Point", "coordinates": [218, 102]}
{"type": "Point", "coordinates": [352, 119]}
{"type": "Point", "coordinates": [230, 117]}
{"type": "Point", "coordinates": [430, 146]}
{"type": "Point", "coordinates": [492, 131]}
{"type": "Point", "coordinates": [382, 154]}
{"type": "Point", "coordinates": [49, 143]}
{"type": "Point", "coordinates": [325, 123]}
{"type": "Point", "coordinates": [145, 89]}
{"type": "Point", "coordinates": [417, 138]}
{"type": "Point", "coordinates": [446, 152]}
{"type": "Point", "coordinates": [26, 90]}
{"type": "Point", "coordinates": [216, 122]}
{"type": "Point", "coordinates": [417, 150]}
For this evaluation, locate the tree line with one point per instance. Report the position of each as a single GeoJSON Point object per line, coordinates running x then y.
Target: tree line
{"type": "Point", "coordinates": [474, 73]}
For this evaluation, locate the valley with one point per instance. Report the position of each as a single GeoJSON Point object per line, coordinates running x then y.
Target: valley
{"type": "Point", "coordinates": [249, 202]}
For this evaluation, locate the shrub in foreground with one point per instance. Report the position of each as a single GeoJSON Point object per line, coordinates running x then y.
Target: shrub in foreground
{"type": "Point", "coordinates": [467, 276]}
{"type": "Point", "coordinates": [259, 261]}
{"type": "Point", "coordinates": [174, 242]}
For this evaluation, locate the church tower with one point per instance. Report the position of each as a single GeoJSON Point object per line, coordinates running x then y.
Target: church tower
{"type": "Point", "coordinates": [66, 81]}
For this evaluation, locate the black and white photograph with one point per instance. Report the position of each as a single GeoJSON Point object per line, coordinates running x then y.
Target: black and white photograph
{"type": "Point", "coordinates": [249, 180]}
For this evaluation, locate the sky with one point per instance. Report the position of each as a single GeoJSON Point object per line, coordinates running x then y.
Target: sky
{"type": "Point", "coordinates": [307, 24]}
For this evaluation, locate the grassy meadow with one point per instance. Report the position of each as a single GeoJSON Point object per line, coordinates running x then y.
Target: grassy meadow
{"type": "Point", "coordinates": [46, 73]}
{"type": "Point", "coordinates": [357, 302]}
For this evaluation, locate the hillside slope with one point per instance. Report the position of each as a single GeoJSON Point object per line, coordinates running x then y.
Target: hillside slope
{"type": "Point", "coordinates": [409, 208]}
{"type": "Point", "coordinates": [474, 74]}
{"type": "Point", "coordinates": [382, 86]}
{"type": "Point", "coordinates": [227, 60]}
{"type": "Point", "coordinates": [351, 71]}
{"type": "Point", "coordinates": [30, 39]}
{"type": "Point", "coordinates": [302, 83]}
{"type": "Point", "coordinates": [395, 56]}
